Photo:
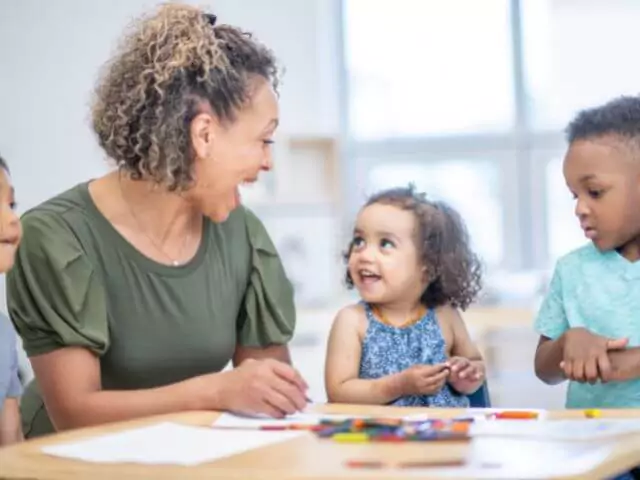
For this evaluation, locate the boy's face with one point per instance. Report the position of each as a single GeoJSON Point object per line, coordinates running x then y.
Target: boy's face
{"type": "Point", "coordinates": [385, 264]}
{"type": "Point", "coordinates": [604, 176]}
{"type": "Point", "coordinates": [10, 229]}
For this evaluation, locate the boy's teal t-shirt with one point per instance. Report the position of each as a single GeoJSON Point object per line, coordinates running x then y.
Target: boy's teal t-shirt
{"type": "Point", "coordinates": [599, 291]}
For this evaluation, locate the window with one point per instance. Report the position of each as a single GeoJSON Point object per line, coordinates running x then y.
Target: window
{"type": "Point", "coordinates": [436, 88]}
{"type": "Point", "coordinates": [578, 53]}
{"type": "Point", "coordinates": [428, 67]}
{"type": "Point", "coordinates": [470, 186]}
{"type": "Point", "coordinates": [564, 233]}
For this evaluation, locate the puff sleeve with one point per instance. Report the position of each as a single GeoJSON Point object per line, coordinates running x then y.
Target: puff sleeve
{"type": "Point", "coordinates": [54, 297]}
{"type": "Point", "coordinates": [268, 315]}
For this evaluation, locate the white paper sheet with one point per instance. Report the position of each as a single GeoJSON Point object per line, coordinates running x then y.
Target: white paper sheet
{"type": "Point", "coordinates": [480, 413]}
{"type": "Point", "coordinates": [230, 420]}
{"type": "Point", "coordinates": [167, 443]}
{"type": "Point", "coordinates": [573, 430]}
{"type": "Point", "coordinates": [506, 459]}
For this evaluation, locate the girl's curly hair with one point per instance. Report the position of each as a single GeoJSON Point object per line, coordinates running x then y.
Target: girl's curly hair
{"type": "Point", "coordinates": [168, 63]}
{"type": "Point", "coordinates": [453, 269]}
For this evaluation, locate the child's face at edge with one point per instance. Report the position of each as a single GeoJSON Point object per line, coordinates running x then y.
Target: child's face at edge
{"type": "Point", "coordinates": [10, 228]}
{"type": "Point", "coordinates": [385, 264]}
{"type": "Point", "coordinates": [605, 181]}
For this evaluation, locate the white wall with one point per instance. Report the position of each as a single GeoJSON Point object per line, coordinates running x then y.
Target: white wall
{"type": "Point", "coordinates": [50, 53]}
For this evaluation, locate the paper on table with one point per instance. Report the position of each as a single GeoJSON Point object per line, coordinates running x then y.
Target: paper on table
{"type": "Point", "coordinates": [167, 443]}
{"type": "Point", "coordinates": [482, 412]}
{"type": "Point", "coordinates": [230, 420]}
{"type": "Point", "coordinates": [502, 458]}
{"type": "Point", "coordinates": [558, 429]}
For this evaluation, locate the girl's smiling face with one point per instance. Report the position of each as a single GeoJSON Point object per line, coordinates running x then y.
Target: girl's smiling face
{"type": "Point", "coordinates": [384, 263]}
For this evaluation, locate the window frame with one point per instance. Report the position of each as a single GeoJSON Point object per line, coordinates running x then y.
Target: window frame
{"type": "Point", "coordinates": [522, 151]}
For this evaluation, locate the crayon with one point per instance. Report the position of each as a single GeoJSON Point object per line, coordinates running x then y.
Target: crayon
{"type": "Point", "coordinates": [389, 437]}
{"type": "Point", "coordinates": [460, 427]}
{"type": "Point", "coordinates": [351, 437]}
{"type": "Point", "coordinates": [364, 464]}
{"type": "Point", "coordinates": [431, 463]}
{"type": "Point", "coordinates": [376, 464]}
{"type": "Point", "coordinates": [292, 426]}
{"type": "Point", "coordinates": [358, 423]}
{"type": "Point", "coordinates": [515, 415]}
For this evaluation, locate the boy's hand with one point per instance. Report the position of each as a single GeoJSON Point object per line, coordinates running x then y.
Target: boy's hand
{"type": "Point", "coordinates": [465, 375]}
{"type": "Point", "coordinates": [424, 379]}
{"type": "Point", "coordinates": [585, 355]}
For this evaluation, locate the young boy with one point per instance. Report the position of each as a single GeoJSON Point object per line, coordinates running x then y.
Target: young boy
{"type": "Point", "coordinates": [10, 386]}
{"type": "Point", "coordinates": [589, 322]}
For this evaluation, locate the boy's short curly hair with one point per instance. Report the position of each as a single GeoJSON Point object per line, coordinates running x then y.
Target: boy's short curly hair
{"type": "Point", "coordinates": [169, 62]}
{"type": "Point", "coordinates": [619, 117]}
{"type": "Point", "coordinates": [454, 270]}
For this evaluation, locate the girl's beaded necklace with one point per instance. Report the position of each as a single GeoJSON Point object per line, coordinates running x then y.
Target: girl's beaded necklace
{"type": "Point", "coordinates": [413, 319]}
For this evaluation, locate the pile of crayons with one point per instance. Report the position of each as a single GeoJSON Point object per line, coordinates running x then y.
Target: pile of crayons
{"type": "Point", "coordinates": [393, 430]}
{"type": "Point", "coordinates": [359, 430]}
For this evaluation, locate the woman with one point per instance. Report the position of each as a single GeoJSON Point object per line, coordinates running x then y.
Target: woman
{"type": "Point", "coordinates": [133, 291]}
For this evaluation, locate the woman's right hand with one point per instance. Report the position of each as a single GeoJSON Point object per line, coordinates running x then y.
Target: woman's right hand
{"type": "Point", "coordinates": [424, 379]}
{"type": "Point", "coordinates": [262, 387]}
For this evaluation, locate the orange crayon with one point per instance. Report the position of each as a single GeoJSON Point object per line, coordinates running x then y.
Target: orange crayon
{"type": "Point", "coordinates": [515, 415]}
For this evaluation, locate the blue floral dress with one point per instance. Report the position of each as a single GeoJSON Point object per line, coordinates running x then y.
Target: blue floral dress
{"type": "Point", "coordinates": [387, 350]}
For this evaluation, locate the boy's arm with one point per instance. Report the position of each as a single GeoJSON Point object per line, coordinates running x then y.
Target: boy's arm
{"type": "Point", "coordinates": [548, 358]}
{"type": "Point", "coordinates": [342, 366]}
{"type": "Point", "coordinates": [10, 426]}
{"type": "Point", "coordinates": [573, 353]}
{"type": "Point", "coordinates": [625, 364]}
{"type": "Point", "coordinates": [463, 347]}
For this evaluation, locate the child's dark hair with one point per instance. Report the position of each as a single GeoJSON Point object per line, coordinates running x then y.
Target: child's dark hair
{"type": "Point", "coordinates": [3, 164]}
{"type": "Point", "coordinates": [619, 117]}
{"type": "Point", "coordinates": [454, 270]}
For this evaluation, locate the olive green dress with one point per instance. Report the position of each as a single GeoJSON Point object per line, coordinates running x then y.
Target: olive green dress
{"type": "Point", "coordinates": [78, 282]}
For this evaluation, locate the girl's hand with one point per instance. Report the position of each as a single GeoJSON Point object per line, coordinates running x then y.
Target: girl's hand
{"type": "Point", "coordinates": [464, 369]}
{"type": "Point", "coordinates": [424, 379]}
{"type": "Point", "coordinates": [465, 375]}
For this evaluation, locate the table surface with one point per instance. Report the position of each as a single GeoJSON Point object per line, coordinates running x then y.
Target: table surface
{"type": "Point", "coordinates": [311, 458]}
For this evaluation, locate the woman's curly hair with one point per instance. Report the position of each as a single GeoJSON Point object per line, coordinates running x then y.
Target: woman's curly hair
{"type": "Point", "coordinates": [168, 63]}
{"type": "Point", "coordinates": [453, 269]}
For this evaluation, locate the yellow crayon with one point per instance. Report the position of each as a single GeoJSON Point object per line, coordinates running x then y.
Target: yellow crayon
{"type": "Point", "coordinates": [351, 437]}
{"type": "Point", "coordinates": [592, 413]}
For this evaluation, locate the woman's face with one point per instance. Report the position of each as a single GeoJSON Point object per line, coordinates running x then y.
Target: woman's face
{"type": "Point", "coordinates": [229, 155]}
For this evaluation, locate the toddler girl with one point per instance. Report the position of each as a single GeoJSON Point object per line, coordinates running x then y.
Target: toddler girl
{"type": "Point", "coordinates": [405, 343]}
